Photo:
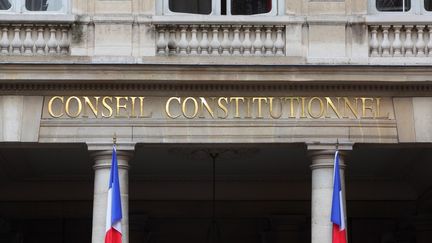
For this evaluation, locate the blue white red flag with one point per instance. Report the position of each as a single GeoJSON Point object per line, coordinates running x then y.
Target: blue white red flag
{"type": "Point", "coordinates": [114, 212]}
{"type": "Point", "coordinates": [337, 211]}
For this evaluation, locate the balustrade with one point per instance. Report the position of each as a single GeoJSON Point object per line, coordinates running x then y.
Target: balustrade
{"type": "Point", "coordinates": [220, 39]}
{"type": "Point", "coordinates": [34, 39]}
{"type": "Point", "coordinates": [400, 40]}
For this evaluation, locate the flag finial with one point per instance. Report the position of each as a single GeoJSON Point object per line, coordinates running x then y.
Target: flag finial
{"type": "Point", "coordinates": [115, 139]}
{"type": "Point", "coordinates": [337, 144]}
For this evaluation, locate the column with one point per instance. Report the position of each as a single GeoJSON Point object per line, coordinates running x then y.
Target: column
{"type": "Point", "coordinates": [102, 168]}
{"type": "Point", "coordinates": [322, 192]}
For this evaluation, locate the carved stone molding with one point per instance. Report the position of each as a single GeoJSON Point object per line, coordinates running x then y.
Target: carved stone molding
{"type": "Point", "coordinates": [72, 88]}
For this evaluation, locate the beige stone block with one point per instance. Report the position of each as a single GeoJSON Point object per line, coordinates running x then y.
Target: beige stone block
{"type": "Point", "coordinates": [294, 40]}
{"type": "Point", "coordinates": [293, 7]}
{"type": "Point", "coordinates": [20, 118]}
{"type": "Point", "coordinates": [79, 7]}
{"type": "Point", "coordinates": [148, 7]}
{"type": "Point", "coordinates": [359, 45]}
{"type": "Point", "coordinates": [117, 6]}
{"type": "Point", "coordinates": [32, 113]}
{"type": "Point", "coordinates": [113, 39]}
{"type": "Point", "coordinates": [359, 7]}
{"type": "Point", "coordinates": [147, 43]}
{"type": "Point", "coordinates": [80, 39]}
{"type": "Point", "coordinates": [405, 119]}
{"type": "Point", "coordinates": [422, 118]}
{"type": "Point", "coordinates": [373, 134]}
{"type": "Point", "coordinates": [327, 41]}
{"type": "Point", "coordinates": [326, 7]}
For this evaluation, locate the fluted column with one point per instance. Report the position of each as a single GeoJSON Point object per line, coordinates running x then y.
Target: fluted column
{"type": "Point", "coordinates": [102, 166]}
{"type": "Point", "coordinates": [322, 191]}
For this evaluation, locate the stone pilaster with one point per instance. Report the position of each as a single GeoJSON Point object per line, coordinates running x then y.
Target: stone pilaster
{"type": "Point", "coordinates": [102, 168]}
{"type": "Point", "coordinates": [322, 159]}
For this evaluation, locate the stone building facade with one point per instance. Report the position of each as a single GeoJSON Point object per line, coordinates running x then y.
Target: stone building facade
{"type": "Point", "coordinates": [226, 115]}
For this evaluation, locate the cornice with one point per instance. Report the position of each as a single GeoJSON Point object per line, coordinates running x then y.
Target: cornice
{"type": "Point", "coordinates": [401, 90]}
{"type": "Point", "coordinates": [45, 78]}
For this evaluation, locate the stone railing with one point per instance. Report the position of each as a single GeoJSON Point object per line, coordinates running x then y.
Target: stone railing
{"type": "Point", "coordinates": [220, 39]}
{"type": "Point", "coordinates": [34, 39]}
{"type": "Point", "coordinates": [400, 40]}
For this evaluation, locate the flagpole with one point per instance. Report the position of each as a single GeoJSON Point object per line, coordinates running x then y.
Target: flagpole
{"type": "Point", "coordinates": [115, 139]}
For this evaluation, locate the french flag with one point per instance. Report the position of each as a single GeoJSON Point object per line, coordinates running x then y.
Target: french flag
{"type": "Point", "coordinates": [337, 212]}
{"type": "Point", "coordinates": [114, 212]}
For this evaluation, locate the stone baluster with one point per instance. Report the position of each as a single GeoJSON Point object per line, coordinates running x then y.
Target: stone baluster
{"type": "Point", "coordinates": [64, 42]}
{"type": "Point", "coordinates": [268, 43]}
{"type": "Point", "coordinates": [16, 42]}
{"type": "Point", "coordinates": [28, 41]}
{"type": "Point", "coordinates": [258, 44]}
{"type": "Point", "coordinates": [183, 43]}
{"type": "Point", "coordinates": [374, 44]}
{"type": "Point", "coordinates": [385, 44]}
{"type": "Point", "coordinates": [226, 43]}
{"type": "Point", "coordinates": [172, 41]}
{"type": "Point", "coordinates": [52, 42]}
{"type": "Point", "coordinates": [247, 43]}
{"type": "Point", "coordinates": [193, 43]}
{"type": "Point", "coordinates": [237, 47]}
{"type": "Point", "coordinates": [161, 43]}
{"type": "Point", "coordinates": [40, 41]}
{"type": "Point", "coordinates": [429, 45]}
{"type": "Point", "coordinates": [204, 44]}
{"type": "Point", "coordinates": [280, 42]}
{"type": "Point", "coordinates": [215, 43]}
{"type": "Point", "coordinates": [397, 44]}
{"type": "Point", "coordinates": [408, 45]}
{"type": "Point", "coordinates": [4, 42]}
{"type": "Point", "coordinates": [420, 44]}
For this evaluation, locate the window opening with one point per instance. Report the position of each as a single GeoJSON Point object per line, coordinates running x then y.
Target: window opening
{"type": "Point", "coordinates": [393, 5]}
{"type": "Point", "coordinates": [428, 5]}
{"type": "Point", "coordinates": [5, 4]}
{"type": "Point", "coordinates": [250, 7]}
{"type": "Point", "coordinates": [191, 6]}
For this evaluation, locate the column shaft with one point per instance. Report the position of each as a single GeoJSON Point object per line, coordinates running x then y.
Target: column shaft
{"type": "Point", "coordinates": [322, 192]}
{"type": "Point", "coordinates": [102, 174]}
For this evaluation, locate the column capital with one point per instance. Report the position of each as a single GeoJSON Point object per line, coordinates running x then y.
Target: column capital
{"type": "Point", "coordinates": [322, 153]}
{"type": "Point", "coordinates": [102, 159]}
{"type": "Point", "coordinates": [341, 145]}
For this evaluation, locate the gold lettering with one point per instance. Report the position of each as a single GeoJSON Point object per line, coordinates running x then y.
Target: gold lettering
{"type": "Point", "coordinates": [367, 107]}
{"type": "Point", "coordinates": [223, 107]}
{"type": "Point", "coordinates": [142, 110]}
{"type": "Point", "coordinates": [321, 108]}
{"type": "Point", "coordinates": [291, 99]}
{"type": "Point", "coordinates": [120, 106]}
{"type": "Point", "coordinates": [50, 106]}
{"type": "Point", "coordinates": [167, 107]}
{"type": "Point", "coordinates": [303, 107]}
{"type": "Point", "coordinates": [260, 100]}
{"type": "Point", "coordinates": [206, 105]}
{"type": "Point", "coordinates": [93, 108]}
{"type": "Point", "coordinates": [347, 104]}
{"type": "Point", "coordinates": [107, 106]}
{"type": "Point", "coordinates": [271, 108]}
{"type": "Point", "coordinates": [68, 109]}
{"type": "Point", "coordinates": [195, 110]}
{"type": "Point", "coordinates": [331, 104]}
{"type": "Point", "coordinates": [378, 108]}
{"type": "Point", "coordinates": [237, 110]}
{"type": "Point", "coordinates": [133, 114]}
